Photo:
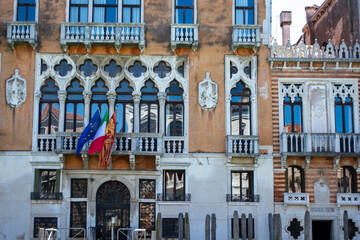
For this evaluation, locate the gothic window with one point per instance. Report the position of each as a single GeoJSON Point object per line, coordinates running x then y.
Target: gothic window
{"type": "Point", "coordinates": [242, 186]}
{"type": "Point", "coordinates": [99, 98]}
{"type": "Point", "coordinates": [244, 12]}
{"type": "Point", "coordinates": [112, 68]}
{"type": "Point", "coordinates": [174, 107]}
{"type": "Point", "coordinates": [184, 11]}
{"type": "Point", "coordinates": [149, 108]}
{"type": "Point", "coordinates": [174, 185]}
{"type": "Point", "coordinates": [161, 69]}
{"type": "Point", "coordinates": [125, 108]}
{"type": "Point", "coordinates": [49, 108]}
{"type": "Point", "coordinates": [131, 11]}
{"type": "Point", "coordinates": [344, 115]}
{"type": "Point", "coordinates": [63, 68]}
{"type": "Point", "coordinates": [43, 222]}
{"type": "Point", "coordinates": [137, 69]}
{"type": "Point", "coordinates": [292, 111]}
{"type": "Point", "coordinates": [78, 212]}
{"type": "Point", "coordinates": [240, 110]}
{"type": "Point", "coordinates": [26, 10]}
{"type": "Point", "coordinates": [88, 68]}
{"type": "Point", "coordinates": [347, 180]}
{"type": "Point", "coordinates": [79, 10]}
{"type": "Point", "coordinates": [295, 179]}
{"type": "Point", "coordinates": [46, 185]}
{"type": "Point", "coordinates": [74, 108]}
{"type": "Point", "coordinates": [105, 11]}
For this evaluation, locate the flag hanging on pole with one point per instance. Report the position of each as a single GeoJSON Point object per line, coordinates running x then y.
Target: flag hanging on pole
{"type": "Point", "coordinates": [98, 141]}
{"type": "Point", "coordinates": [109, 139]}
{"type": "Point", "coordinates": [89, 131]}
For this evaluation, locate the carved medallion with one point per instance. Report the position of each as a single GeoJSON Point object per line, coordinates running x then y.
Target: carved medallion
{"type": "Point", "coordinates": [15, 90]}
{"type": "Point", "coordinates": [208, 93]}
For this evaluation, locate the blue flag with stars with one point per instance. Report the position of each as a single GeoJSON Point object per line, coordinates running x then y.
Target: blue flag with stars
{"type": "Point", "coordinates": [89, 132]}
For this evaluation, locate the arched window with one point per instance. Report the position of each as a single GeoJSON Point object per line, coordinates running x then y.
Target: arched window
{"type": "Point", "coordinates": [49, 108]}
{"type": "Point", "coordinates": [347, 180]}
{"type": "Point", "coordinates": [131, 11]}
{"type": "Point", "coordinates": [74, 108]}
{"type": "Point", "coordinates": [240, 110]}
{"type": "Point", "coordinates": [295, 179]}
{"type": "Point", "coordinates": [125, 108]}
{"type": "Point", "coordinates": [174, 107]}
{"type": "Point", "coordinates": [149, 108]}
{"type": "Point", "coordinates": [99, 99]}
{"type": "Point", "coordinates": [292, 113]}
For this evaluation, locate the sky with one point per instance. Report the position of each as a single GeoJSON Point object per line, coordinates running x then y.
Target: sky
{"type": "Point", "coordinates": [297, 7]}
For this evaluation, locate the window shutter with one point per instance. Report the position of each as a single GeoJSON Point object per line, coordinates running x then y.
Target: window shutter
{"type": "Point", "coordinates": [57, 184]}
{"type": "Point", "coordinates": [36, 180]}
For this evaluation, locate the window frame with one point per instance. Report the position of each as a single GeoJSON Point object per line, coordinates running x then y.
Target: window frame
{"type": "Point", "coordinates": [250, 197]}
{"type": "Point", "coordinates": [75, 102]}
{"type": "Point", "coordinates": [78, 5]}
{"type": "Point", "coordinates": [174, 103]}
{"type": "Point", "coordinates": [131, 6]}
{"type": "Point", "coordinates": [194, 7]}
{"type": "Point", "coordinates": [342, 106]}
{"type": "Point", "coordinates": [37, 187]}
{"type": "Point", "coordinates": [15, 14]}
{"type": "Point", "coordinates": [234, 13]}
{"type": "Point", "coordinates": [50, 102]}
{"type": "Point", "coordinates": [183, 193]}
{"type": "Point", "coordinates": [302, 178]}
{"type": "Point", "coordinates": [244, 9]}
{"type": "Point", "coordinates": [124, 103]}
{"type": "Point", "coordinates": [353, 174]}
{"type": "Point", "coordinates": [105, 6]}
{"type": "Point", "coordinates": [292, 107]}
{"type": "Point", "coordinates": [148, 103]}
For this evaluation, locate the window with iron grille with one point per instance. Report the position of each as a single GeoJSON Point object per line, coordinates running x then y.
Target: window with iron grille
{"type": "Point", "coordinates": [240, 228]}
{"type": "Point", "coordinates": [44, 222]}
{"type": "Point", "coordinates": [147, 189]}
{"type": "Point", "coordinates": [78, 218]}
{"type": "Point", "coordinates": [170, 227]}
{"type": "Point", "coordinates": [46, 185]}
{"type": "Point", "coordinates": [79, 188]}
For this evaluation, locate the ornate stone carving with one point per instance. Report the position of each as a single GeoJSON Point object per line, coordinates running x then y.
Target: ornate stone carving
{"type": "Point", "coordinates": [208, 93]}
{"type": "Point", "coordinates": [15, 90]}
{"type": "Point", "coordinates": [321, 190]}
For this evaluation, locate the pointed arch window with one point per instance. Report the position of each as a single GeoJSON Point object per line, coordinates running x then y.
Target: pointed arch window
{"type": "Point", "coordinates": [344, 115]}
{"type": "Point", "coordinates": [99, 99]}
{"type": "Point", "coordinates": [174, 107]}
{"type": "Point", "coordinates": [74, 108]}
{"type": "Point", "coordinates": [49, 108]}
{"type": "Point", "coordinates": [125, 108]}
{"type": "Point", "coordinates": [295, 179]}
{"type": "Point", "coordinates": [149, 108]}
{"type": "Point", "coordinates": [292, 112]}
{"type": "Point", "coordinates": [240, 110]}
{"type": "Point", "coordinates": [347, 180]}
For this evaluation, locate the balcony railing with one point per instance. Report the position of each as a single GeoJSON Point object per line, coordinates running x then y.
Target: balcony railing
{"type": "Point", "coordinates": [238, 145]}
{"type": "Point", "coordinates": [116, 34]}
{"type": "Point", "coordinates": [46, 143]}
{"type": "Point", "coordinates": [320, 143]}
{"type": "Point", "coordinates": [173, 197]}
{"type": "Point", "coordinates": [184, 35]}
{"type": "Point", "coordinates": [46, 196]}
{"type": "Point", "coordinates": [242, 198]}
{"type": "Point", "coordinates": [296, 199]}
{"type": "Point", "coordinates": [247, 36]}
{"type": "Point", "coordinates": [22, 32]}
{"type": "Point", "coordinates": [174, 145]}
{"type": "Point", "coordinates": [348, 199]}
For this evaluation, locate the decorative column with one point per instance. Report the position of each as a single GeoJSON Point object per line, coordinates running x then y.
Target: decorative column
{"type": "Point", "coordinates": [87, 95]}
{"type": "Point", "coordinates": [254, 122]}
{"type": "Point", "coordinates": [111, 96]}
{"type": "Point", "coordinates": [62, 98]}
{"type": "Point", "coordinates": [228, 114]}
{"type": "Point", "coordinates": [37, 97]}
{"type": "Point", "coordinates": [186, 122]}
{"type": "Point", "coordinates": [162, 98]}
{"type": "Point", "coordinates": [136, 98]}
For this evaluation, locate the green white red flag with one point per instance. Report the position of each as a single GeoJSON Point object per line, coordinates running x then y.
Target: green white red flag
{"type": "Point", "coordinates": [109, 139]}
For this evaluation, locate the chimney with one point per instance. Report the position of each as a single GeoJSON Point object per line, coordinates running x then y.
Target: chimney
{"type": "Point", "coordinates": [285, 22]}
{"type": "Point", "coordinates": [310, 10]}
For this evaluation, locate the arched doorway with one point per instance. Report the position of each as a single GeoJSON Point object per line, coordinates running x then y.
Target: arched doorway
{"type": "Point", "coordinates": [112, 200]}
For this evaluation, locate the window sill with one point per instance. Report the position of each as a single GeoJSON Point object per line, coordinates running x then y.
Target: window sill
{"type": "Point", "coordinates": [174, 203]}
{"type": "Point", "coordinates": [243, 203]}
{"type": "Point", "coordinates": [40, 201]}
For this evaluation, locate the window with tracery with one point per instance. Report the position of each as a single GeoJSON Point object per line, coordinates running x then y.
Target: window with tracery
{"type": "Point", "coordinates": [49, 108]}
{"type": "Point", "coordinates": [292, 109]}
{"type": "Point", "coordinates": [99, 99]}
{"type": "Point", "coordinates": [149, 108]}
{"type": "Point", "coordinates": [240, 110]}
{"type": "Point", "coordinates": [174, 107]}
{"type": "Point", "coordinates": [125, 108]}
{"type": "Point", "coordinates": [74, 108]}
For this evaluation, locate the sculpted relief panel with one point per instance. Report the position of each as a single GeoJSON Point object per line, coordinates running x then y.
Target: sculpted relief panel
{"type": "Point", "coordinates": [208, 93]}
{"type": "Point", "coordinates": [15, 90]}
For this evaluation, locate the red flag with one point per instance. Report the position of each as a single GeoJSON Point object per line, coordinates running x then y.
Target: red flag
{"type": "Point", "coordinates": [104, 156]}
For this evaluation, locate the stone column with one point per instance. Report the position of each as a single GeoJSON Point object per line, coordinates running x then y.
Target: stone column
{"type": "Point", "coordinates": [62, 98]}
{"type": "Point", "coordinates": [111, 96]}
{"type": "Point", "coordinates": [87, 99]}
{"type": "Point", "coordinates": [137, 98]}
{"type": "Point", "coordinates": [162, 98]}
{"type": "Point", "coordinates": [37, 97]}
{"type": "Point", "coordinates": [186, 122]}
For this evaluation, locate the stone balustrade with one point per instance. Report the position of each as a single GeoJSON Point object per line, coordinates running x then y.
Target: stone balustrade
{"type": "Point", "coordinates": [296, 199]}
{"type": "Point", "coordinates": [245, 36]}
{"type": "Point", "coordinates": [174, 145]}
{"type": "Point", "coordinates": [115, 34]}
{"type": "Point", "coordinates": [184, 35]}
{"type": "Point", "coordinates": [348, 199]}
{"type": "Point", "coordinates": [239, 145]}
{"type": "Point", "coordinates": [22, 33]}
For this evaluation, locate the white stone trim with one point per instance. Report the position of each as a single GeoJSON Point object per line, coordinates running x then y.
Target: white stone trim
{"type": "Point", "coordinates": [36, 10]}
{"type": "Point", "coordinates": [328, 83]}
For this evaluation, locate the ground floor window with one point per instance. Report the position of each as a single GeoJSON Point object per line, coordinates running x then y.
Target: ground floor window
{"type": "Point", "coordinates": [41, 222]}
{"type": "Point", "coordinates": [78, 218]}
{"type": "Point", "coordinates": [170, 227]}
{"type": "Point", "coordinates": [147, 217]}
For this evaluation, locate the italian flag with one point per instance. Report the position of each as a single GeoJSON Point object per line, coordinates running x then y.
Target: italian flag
{"type": "Point", "coordinates": [99, 137]}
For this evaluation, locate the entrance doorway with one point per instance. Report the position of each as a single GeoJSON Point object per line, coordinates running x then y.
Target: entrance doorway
{"type": "Point", "coordinates": [321, 230]}
{"type": "Point", "coordinates": [112, 201]}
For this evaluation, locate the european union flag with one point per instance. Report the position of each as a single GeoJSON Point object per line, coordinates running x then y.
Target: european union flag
{"type": "Point", "coordinates": [89, 132]}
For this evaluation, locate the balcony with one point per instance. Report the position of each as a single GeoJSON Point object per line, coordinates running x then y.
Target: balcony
{"type": "Point", "coordinates": [46, 196]}
{"type": "Point", "coordinates": [296, 199]}
{"type": "Point", "coordinates": [242, 146]}
{"type": "Point", "coordinates": [22, 33]}
{"type": "Point", "coordinates": [320, 144]}
{"type": "Point", "coordinates": [184, 35]}
{"type": "Point", "coordinates": [242, 198]}
{"type": "Point", "coordinates": [173, 197]}
{"type": "Point", "coordinates": [113, 34]}
{"type": "Point", "coordinates": [245, 36]}
{"type": "Point", "coordinates": [348, 199]}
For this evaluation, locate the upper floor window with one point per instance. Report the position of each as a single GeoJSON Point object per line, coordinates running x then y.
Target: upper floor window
{"type": "Point", "coordinates": [149, 108]}
{"type": "Point", "coordinates": [49, 108]}
{"type": "Point", "coordinates": [184, 11]}
{"type": "Point", "coordinates": [99, 99]}
{"type": "Point", "coordinates": [131, 11]}
{"type": "Point", "coordinates": [242, 186]}
{"type": "Point", "coordinates": [240, 110]}
{"type": "Point", "coordinates": [244, 12]}
{"type": "Point", "coordinates": [174, 185]}
{"type": "Point", "coordinates": [125, 106]}
{"type": "Point", "coordinates": [79, 10]}
{"type": "Point", "coordinates": [292, 112]}
{"type": "Point", "coordinates": [347, 180]}
{"type": "Point", "coordinates": [174, 107]}
{"type": "Point", "coordinates": [344, 115]}
{"type": "Point", "coordinates": [105, 11]}
{"type": "Point", "coordinates": [74, 108]}
{"type": "Point", "coordinates": [26, 10]}
{"type": "Point", "coordinates": [295, 179]}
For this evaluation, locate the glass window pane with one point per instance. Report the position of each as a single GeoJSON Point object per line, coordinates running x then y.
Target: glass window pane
{"type": "Point", "coordinates": [184, 2]}
{"type": "Point", "coordinates": [287, 118]}
{"type": "Point", "coordinates": [245, 117]}
{"type": "Point", "coordinates": [179, 127]}
{"type": "Point", "coordinates": [111, 14]}
{"type": "Point", "coordinates": [144, 118]}
{"type": "Point", "coordinates": [69, 119]}
{"type": "Point", "coordinates": [169, 182]}
{"type": "Point", "coordinates": [119, 117]}
{"type": "Point", "coordinates": [131, 2]}
{"type": "Point", "coordinates": [21, 14]}
{"type": "Point", "coordinates": [338, 119]}
{"type": "Point", "coordinates": [126, 15]}
{"type": "Point", "coordinates": [239, 17]}
{"type": "Point", "coordinates": [179, 16]}
{"type": "Point", "coordinates": [136, 15]}
{"type": "Point", "coordinates": [55, 118]}
{"type": "Point", "coordinates": [83, 14]}
{"type": "Point", "coordinates": [27, 1]}
{"type": "Point", "coordinates": [235, 183]}
{"type": "Point", "coordinates": [74, 14]}
{"type": "Point", "coordinates": [180, 187]}
{"type": "Point", "coordinates": [154, 118]}
{"type": "Point", "coordinates": [79, 1]}
{"type": "Point", "coordinates": [31, 14]}
{"type": "Point", "coordinates": [249, 17]}
{"type": "Point", "coordinates": [79, 117]}
{"type": "Point", "coordinates": [99, 14]}
{"type": "Point", "coordinates": [348, 119]}
{"type": "Point", "coordinates": [297, 118]}
{"type": "Point", "coordinates": [129, 118]}
{"type": "Point", "coordinates": [235, 121]}
{"type": "Point", "coordinates": [189, 16]}
{"type": "Point", "coordinates": [169, 119]}
{"type": "Point", "coordinates": [297, 180]}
